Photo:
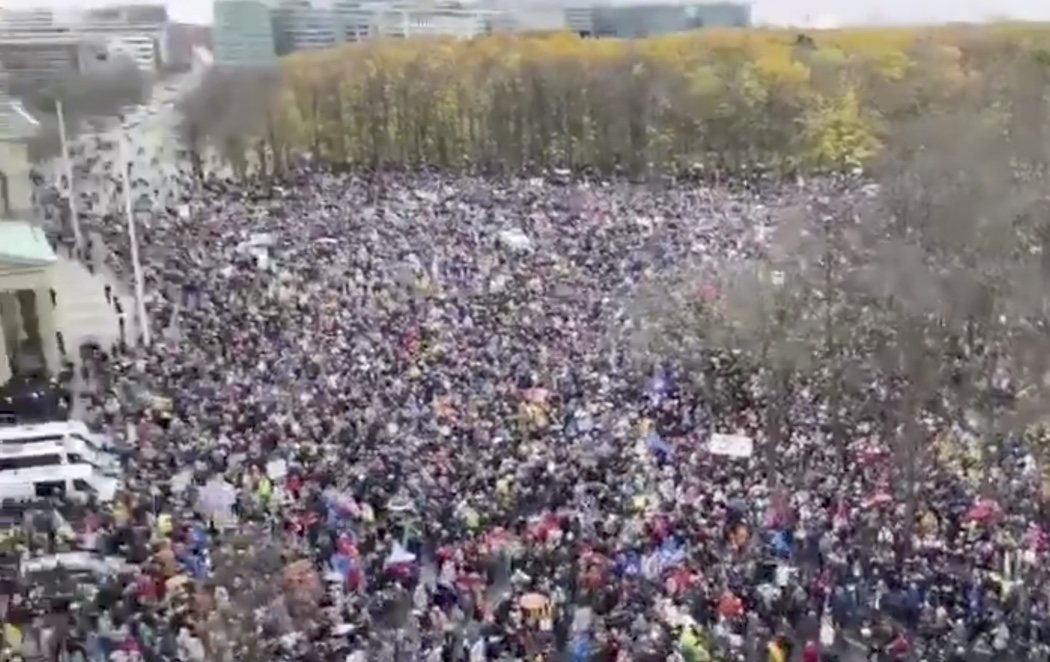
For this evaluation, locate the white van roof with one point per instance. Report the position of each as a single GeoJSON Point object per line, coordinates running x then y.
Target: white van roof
{"type": "Point", "coordinates": [33, 449]}
{"type": "Point", "coordinates": [56, 428]}
{"type": "Point", "coordinates": [101, 565]}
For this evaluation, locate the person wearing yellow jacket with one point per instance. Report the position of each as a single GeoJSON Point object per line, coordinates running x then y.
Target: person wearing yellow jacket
{"type": "Point", "coordinates": [779, 650]}
{"type": "Point", "coordinates": [265, 490]}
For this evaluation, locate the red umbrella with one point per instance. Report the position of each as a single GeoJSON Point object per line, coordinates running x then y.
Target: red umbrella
{"type": "Point", "coordinates": [730, 606]}
{"type": "Point", "coordinates": [984, 511]}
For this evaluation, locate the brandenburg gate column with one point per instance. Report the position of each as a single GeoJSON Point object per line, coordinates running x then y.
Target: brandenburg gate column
{"type": "Point", "coordinates": [11, 315]}
{"type": "Point", "coordinates": [45, 319]}
{"type": "Point", "coordinates": [5, 360]}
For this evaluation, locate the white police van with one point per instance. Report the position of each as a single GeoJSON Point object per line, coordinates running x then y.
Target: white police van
{"type": "Point", "coordinates": [57, 459]}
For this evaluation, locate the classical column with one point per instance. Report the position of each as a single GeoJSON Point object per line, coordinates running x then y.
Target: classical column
{"type": "Point", "coordinates": [45, 319]}
{"type": "Point", "coordinates": [11, 314]}
{"type": "Point", "coordinates": [5, 360]}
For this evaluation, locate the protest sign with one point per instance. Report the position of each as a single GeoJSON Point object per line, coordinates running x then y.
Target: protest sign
{"type": "Point", "coordinates": [731, 445]}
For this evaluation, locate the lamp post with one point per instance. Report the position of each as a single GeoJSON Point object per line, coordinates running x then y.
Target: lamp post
{"type": "Point", "coordinates": [136, 265]}
{"type": "Point", "coordinates": [68, 167]}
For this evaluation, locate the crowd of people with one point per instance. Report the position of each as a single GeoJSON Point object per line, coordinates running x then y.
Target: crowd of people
{"type": "Point", "coordinates": [402, 419]}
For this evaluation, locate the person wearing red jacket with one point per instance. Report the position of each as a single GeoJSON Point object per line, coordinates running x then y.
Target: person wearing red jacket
{"type": "Point", "coordinates": [811, 653]}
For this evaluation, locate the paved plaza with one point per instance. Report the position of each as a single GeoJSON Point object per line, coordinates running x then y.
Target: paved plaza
{"type": "Point", "coordinates": [83, 311]}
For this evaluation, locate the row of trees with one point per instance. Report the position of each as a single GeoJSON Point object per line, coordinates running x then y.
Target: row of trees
{"type": "Point", "coordinates": [725, 99]}
{"type": "Point", "coordinates": [913, 305]}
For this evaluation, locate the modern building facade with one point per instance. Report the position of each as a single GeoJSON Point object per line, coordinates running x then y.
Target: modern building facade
{"type": "Point", "coordinates": [14, 21]}
{"type": "Point", "coordinates": [30, 60]}
{"type": "Point", "coordinates": [645, 20]}
{"type": "Point", "coordinates": [135, 30]}
{"type": "Point", "coordinates": [459, 23]}
{"type": "Point", "coordinates": [355, 20]}
{"type": "Point", "coordinates": [243, 33]}
{"type": "Point", "coordinates": [138, 31]}
{"type": "Point", "coordinates": [142, 49]}
{"type": "Point", "coordinates": [299, 25]}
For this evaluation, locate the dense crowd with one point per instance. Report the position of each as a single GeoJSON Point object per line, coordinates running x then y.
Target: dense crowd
{"type": "Point", "coordinates": [400, 420]}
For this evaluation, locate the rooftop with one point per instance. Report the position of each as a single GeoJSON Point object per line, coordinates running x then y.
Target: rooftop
{"type": "Point", "coordinates": [24, 245]}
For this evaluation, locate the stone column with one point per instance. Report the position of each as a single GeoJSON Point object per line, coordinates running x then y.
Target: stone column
{"type": "Point", "coordinates": [5, 360]}
{"type": "Point", "coordinates": [11, 313]}
{"type": "Point", "coordinates": [45, 319]}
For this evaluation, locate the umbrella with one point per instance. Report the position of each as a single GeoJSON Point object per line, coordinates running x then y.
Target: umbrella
{"type": "Point", "coordinates": [984, 511]}
{"type": "Point", "coordinates": [535, 605]}
{"type": "Point", "coordinates": [215, 500]}
{"type": "Point", "coordinates": [399, 556]}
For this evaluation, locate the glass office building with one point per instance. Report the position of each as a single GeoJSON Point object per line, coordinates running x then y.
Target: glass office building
{"type": "Point", "coordinates": [243, 33]}
{"type": "Point", "coordinates": [638, 21]}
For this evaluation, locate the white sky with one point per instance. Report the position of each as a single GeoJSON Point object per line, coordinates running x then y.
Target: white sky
{"type": "Point", "coordinates": [796, 12]}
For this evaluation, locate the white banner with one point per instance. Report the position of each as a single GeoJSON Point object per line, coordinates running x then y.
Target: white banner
{"type": "Point", "coordinates": [733, 445]}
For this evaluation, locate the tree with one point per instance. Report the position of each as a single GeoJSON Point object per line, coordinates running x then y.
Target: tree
{"type": "Point", "coordinates": [257, 592]}
{"type": "Point", "coordinates": [104, 89]}
{"type": "Point", "coordinates": [730, 101]}
{"type": "Point", "coordinates": [757, 315]}
{"type": "Point", "coordinates": [231, 110]}
{"type": "Point", "coordinates": [958, 254]}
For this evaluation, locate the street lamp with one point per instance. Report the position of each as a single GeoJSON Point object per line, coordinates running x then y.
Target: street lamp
{"type": "Point", "coordinates": [136, 265]}
{"type": "Point", "coordinates": [68, 166]}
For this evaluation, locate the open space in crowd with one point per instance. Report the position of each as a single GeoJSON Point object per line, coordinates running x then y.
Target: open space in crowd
{"type": "Point", "coordinates": [409, 414]}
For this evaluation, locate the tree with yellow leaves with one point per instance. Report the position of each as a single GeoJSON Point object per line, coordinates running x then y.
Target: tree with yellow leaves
{"type": "Point", "coordinates": [838, 134]}
{"type": "Point", "coordinates": [729, 99]}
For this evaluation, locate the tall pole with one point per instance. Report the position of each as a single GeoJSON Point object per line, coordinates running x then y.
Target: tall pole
{"type": "Point", "coordinates": [140, 297]}
{"type": "Point", "coordinates": [68, 165]}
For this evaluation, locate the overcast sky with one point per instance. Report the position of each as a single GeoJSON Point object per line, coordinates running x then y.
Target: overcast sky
{"type": "Point", "coordinates": [793, 12]}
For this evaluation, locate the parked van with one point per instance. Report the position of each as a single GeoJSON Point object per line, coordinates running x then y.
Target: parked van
{"type": "Point", "coordinates": [49, 469]}
{"type": "Point", "coordinates": [74, 436]}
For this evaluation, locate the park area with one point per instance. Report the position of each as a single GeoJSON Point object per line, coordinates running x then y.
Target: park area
{"type": "Point", "coordinates": [716, 346]}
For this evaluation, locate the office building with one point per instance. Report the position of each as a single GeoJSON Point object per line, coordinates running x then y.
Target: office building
{"type": "Point", "coordinates": [299, 25]}
{"type": "Point", "coordinates": [142, 49]}
{"type": "Point", "coordinates": [456, 22]}
{"type": "Point", "coordinates": [20, 21]}
{"type": "Point", "coordinates": [357, 20]}
{"type": "Point", "coordinates": [137, 30]}
{"type": "Point", "coordinates": [32, 61]}
{"type": "Point", "coordinates": [353, 19]}
{"type": "Point", "coordinates": [243, 33]}
{"type": "Point", "coordinates": [646, 20]}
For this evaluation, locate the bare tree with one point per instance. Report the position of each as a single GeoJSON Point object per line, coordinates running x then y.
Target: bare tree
{"type": "Point", "coordinates": [757, 314]}
{"type": "Point", "coordinates": [231, 111]}
{"type": "Point", "coordinates": [256, 591]}
{"type": "Point", "coordinates": [958, 255]}
{"type": "Point", "coordinates": [102, 90]}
